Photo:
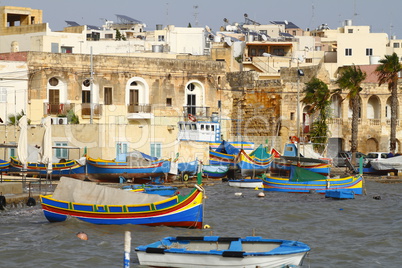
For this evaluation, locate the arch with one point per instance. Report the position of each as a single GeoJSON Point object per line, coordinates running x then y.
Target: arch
{"type": "Point", "coordinates": [194, 97]}
{"type": "Point", "coordinates": [388, 109]}
{"type": "Point", "coordinates": [372, 145]}
{"type": "Point", "coordinates": [373, 108]}
{"type": "Point", "coordinates": [307, 119]}
{"type": "Point", "coordinates": [137, 90]}
{"type": "Point", "coordinates": [336, 104]}
{"type": "Point", "coordinates": [350, 109]}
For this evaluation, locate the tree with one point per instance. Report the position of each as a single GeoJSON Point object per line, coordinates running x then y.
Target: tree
{"type": "Point", "coordinates": [350, 78]}
{"type": "Point", "coordinates": [318, 96]}
{"type": "Point", "coordinates": [119, 36]}
{"type": "Point", "coordinates": [13, 119]}
{"type": "Point", "coordinates": [387, 72]}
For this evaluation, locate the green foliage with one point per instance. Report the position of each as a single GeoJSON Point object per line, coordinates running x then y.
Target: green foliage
{"type": "Point", "coordinates": [119, 36]}
{"type": "Point", "coordinates": [72, 117]}
{"type": "Point", "coordinates": [13, 119]}
{"type": "Point", "coordinates": [189, 25]}
{"type": "Point", "coordinates": [239, 58]}
{"type": "Point", "coordinates": [317, 95]}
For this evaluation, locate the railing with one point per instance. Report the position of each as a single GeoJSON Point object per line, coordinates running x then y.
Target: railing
{"type": "Point", "coordinates": [374, 122]}
{"type": "Point", "coordinates": [139, 108]}
{"type": "Point", "coordinates": [86, 109]}
{"type": "Point", "coordinates": [56, 108]}
{"type": "Point", "coordinates": [350, 121]}
{"type": "Point", "coordinates": [389, 122]}
{"type": "Point", "coordinates": [197, 111]}
{"type": "Point", "coordinates": [335, 121]}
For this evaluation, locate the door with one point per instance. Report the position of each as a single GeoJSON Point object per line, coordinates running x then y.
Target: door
{"type": "Point", "coordinates": [191, 104]}
{"type": "Point", "coordinates": [54, 101]}
{"type": "Point", "coordinates": [134, 101]}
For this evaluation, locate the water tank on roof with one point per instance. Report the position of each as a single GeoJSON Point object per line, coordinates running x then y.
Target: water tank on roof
{"type": "Point", "coordinates": [157, 48]}
{"type": "Point", "coordinates": [217, 39]}
{"type": "Point", "coordinates": [250, 38]}
{"type": "Point", "coordinates": [348, 22]}
{"type": "Point", "coordinates": [159, 27]}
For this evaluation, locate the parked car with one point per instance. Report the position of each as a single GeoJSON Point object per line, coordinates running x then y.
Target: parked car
{"type": "Point", "coordinates": [372, 156]}
{"type": "Point", "coordinates": [340, 159]}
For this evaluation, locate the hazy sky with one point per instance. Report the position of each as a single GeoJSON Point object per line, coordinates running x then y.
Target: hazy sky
{"type": "Point", "coordinates": [381, 15]}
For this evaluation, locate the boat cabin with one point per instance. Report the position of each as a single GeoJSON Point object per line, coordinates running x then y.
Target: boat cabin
{"type": "Point", "coordinates": [201, 131]}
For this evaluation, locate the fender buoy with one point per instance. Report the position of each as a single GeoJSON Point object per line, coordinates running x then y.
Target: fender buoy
{"type": "Point", "coordinates": [3, 202]}
{"type": "Point", "coordinates": [185, 177]}
{"type": "Point", "coordinates": [192, 117]}
{"type": "Point", "coordinates": [294, 139]}
{"type": "Point", "coordinates": [31, 202]}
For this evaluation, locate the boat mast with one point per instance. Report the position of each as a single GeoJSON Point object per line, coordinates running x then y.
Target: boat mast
{"type": "Point", "coordinates": [299, 73]}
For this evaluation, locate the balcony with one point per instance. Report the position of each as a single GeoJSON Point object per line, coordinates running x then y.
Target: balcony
{"type": "Point", "coordinates": [86, 110]}
{"type": "Point", "coordinates": [200, 112]}
{"type": "Point", "coordinates": [56, 108]}
{"type": "Point", "coordinates": [139, 111]}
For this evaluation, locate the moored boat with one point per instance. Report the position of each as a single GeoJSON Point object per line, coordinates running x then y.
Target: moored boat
{"type": "Point", "coordinates": [256, 163]}
{"type": "Point", "coordinates": [305, 181]}
{"type": "Point", "coordinates": [246, 183]}
{"type": "Point", "coordinates": [101, 170]}
{"type": "Point", "coordinates": [68, 168]}
{"type": "Point", "coordinates": [215, 251]}
{"type": "Point", "coordinates": [99, 204]}
{"type": "Point", "coordinates": [151, 189]}
{"type": "Point", "coordinates": [339, 194]}
{"type": "Point", "coordinates": [214, 171]}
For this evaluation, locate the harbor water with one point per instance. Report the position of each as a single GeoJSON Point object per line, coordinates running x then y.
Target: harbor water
{"type": "Point", "coordinates": [361, 232]}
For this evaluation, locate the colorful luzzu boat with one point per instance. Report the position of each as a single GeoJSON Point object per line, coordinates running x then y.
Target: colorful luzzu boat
{"type": "Point", "coordinates": [98, 204]}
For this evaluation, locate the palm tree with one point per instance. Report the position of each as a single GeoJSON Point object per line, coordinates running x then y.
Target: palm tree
{"type": "Point", "coordinates": [388, 73]}
{"type": "Point", "coordinates": [350, 78]}
{"type": "Point", "coordinates": [318, 96]}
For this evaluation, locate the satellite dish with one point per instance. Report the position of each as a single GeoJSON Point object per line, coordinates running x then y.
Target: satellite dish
{"type": "Point", "coordinates": [207, 28]}
{"type": "Point", "coordinates": [226, 20]}
{"type": "Point", "coordinates": [264, 37]}
{"type": "Point", "coordinates": [245, 15]}
{"type": "Point", "coordinates": [286, 22]}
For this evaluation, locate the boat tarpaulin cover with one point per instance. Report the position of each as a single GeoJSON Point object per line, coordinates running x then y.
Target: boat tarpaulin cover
{"type": "Point", "coordinates": [301, 174]}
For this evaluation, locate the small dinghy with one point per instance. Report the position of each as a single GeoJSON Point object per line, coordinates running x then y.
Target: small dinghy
{"type": "Point", "coordinates": [215, 251]}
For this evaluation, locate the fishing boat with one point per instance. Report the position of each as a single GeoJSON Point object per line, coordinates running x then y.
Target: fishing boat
{"type": "Point", "coordinates": [94, 203]}
{"type": "Point", "coordinates": [256, 163]}
{"type": "Point", "coordinates": [246, 183]}
{"type": "Point", "coordinates": [140, 171]}
{"type": "Point", "coordinates": [151, 189]}
{"type": "Point", "coordinates": [282, 164]}
{"type": "Point", "coordinates": [67, 168]}
{"type": "Point", "coordinates": [215, 251]}
{"type": "Point", "coordinates": [4, 165]}
{"type": "Point", "coordinates": [339, 194]}
{"type": "Point", "coordinates": [214, 171]}
{"type": "Point", "coordinates": [306, 181]}
{"type": "Point", "coordinates": [225, 154]}
{"type": "Point", "coordinates": [187, 169]}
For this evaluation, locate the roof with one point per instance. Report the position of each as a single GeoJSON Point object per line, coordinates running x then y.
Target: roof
{"type": "Point", "coordinates": [74, 24]}
{"type": "Point", "coordinates": [288, 24]}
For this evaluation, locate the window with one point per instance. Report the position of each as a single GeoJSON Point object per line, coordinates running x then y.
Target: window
{"type": "Point", "coordinates": [309, 60]}
{"type": "Point", "coordinates": [348, 52]}
{"type": "Point", "coordinates": [86, 96]}
{"type": "Point", "coordinates": [350, 30]}
{"type": "Point", "coordinates": [60, 152]}
{"type": "Point", "coordinates": [54, 47]}
{"type": "Point", "coordinates": [108, 36]}
{"type": "Point", "coordinates": [369, 52]}
{"type": "Point", "coordinates": [396, 45]}
{"type": "Point", "coordinates": [161, 38]}
{"type": "Point", "coordinates": [3, 94]}
{"type": "Point", "coordinates": [169, 102]}
{"type": "Point", "coordinates": [108, 96]}
{"type": "Point", "coordinates": [156, 150]}
{"type": "Point", "coordinates": [66, 50]}
{"type": "Point", "coordinates": [53, 81]}
{"type": "Point", "coordinates": [121, 148]}
{"type": "Point", "coordinates": [294, 32]}
{"type": "Point", "coordinates": [292, 116]}
{"type": "Point", "coordinates": [12, 152]}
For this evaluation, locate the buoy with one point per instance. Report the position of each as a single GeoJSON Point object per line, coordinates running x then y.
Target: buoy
{"type": "Point", "coordinates": [3, 202]}
{"type": "Point", "coordinates": [377, 197]}
{"type": "Point", "coordinates": [192, 117]}
{"type": "Point", "coordinates": [31, 202]}
{"type": "Point", "coordinates": [256, 188]}
{"type": "Point", "coordinates": [238, 194]}
{"type": "Point", "coordinates": [82, 236]}
{"type": "Point", "coordinates": [261, 194]}
{"type": "Point", "coordinates": [206, 226]}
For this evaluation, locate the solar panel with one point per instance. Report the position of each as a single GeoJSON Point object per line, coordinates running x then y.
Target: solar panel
{"type": "Point", "coordinates": [127, 19]}
{"type": "Point", "coordinates": [72, 23]}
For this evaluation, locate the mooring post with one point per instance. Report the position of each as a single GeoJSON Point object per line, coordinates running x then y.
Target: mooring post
{"type": "Point", "coordinates": [127, 249]}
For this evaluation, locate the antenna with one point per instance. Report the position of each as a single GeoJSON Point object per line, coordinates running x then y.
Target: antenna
{"type": "Point", "coordinates": [196, 15]}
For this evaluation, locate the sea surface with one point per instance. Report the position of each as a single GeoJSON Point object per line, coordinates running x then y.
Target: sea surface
{"type": "Point", "coordinates": [362, 232]}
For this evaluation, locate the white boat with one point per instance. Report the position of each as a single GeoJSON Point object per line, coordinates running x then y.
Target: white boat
{"type": "Point", "coordinates": [215, 251]}
{"type": "Point", "coordinates": [246, 183]}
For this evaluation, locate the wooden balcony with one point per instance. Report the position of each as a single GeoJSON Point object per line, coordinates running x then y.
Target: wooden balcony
{"type": "Point", "coordinates": [56, 108]}
{"type": "Point", "coordinates": [86, 110]}
{"type": "Point", "coordinates": [200, 112]}
{"type": "Point", "coordinates": [139, 111]}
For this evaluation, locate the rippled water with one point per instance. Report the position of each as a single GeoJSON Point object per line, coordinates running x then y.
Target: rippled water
{"type": "Point", "coordinates": [363, 232]}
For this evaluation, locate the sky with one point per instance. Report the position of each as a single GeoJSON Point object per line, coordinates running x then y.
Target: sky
{"type": "Point", "coordinates": [381, 15]}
